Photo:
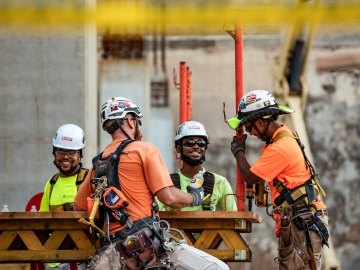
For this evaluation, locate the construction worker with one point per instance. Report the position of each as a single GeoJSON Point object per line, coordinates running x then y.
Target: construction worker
{"type": "Point", "coordinates": [300, 214]}
{"type": "Point", "coordinates": [126, 176]}
{"type": "Point", "coordinates": [60, 190]}
{"type": "Point", "coordinates": [191, 143]}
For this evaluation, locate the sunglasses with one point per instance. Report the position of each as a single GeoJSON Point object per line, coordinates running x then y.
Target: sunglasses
{"type": "Point", "coordinates": [192, 143]}
{"type": "Point", "coordinates": [137, 120]}
{"type": "Point", "coordinates": [249, 127]}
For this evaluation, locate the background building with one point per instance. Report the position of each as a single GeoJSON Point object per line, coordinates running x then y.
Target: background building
{"type": "Point", "coordinates": [51, 78]}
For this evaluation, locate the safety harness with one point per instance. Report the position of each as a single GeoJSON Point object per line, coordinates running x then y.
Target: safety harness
{"type": "Point", "coordinates": [307, 190]}
{"type": "Point", "coordinates": [301, 197]}
{"type": "Point", "coordinates": [106, 176]}
{"type": "Point", "coordinates": [208, 185]}
{"type": "Point", "coordinates": [66, 206]}
{"type": "Point", "coordinates": [140, 242]}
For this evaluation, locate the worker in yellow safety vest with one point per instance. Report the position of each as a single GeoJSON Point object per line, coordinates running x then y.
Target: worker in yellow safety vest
{"type": "Point", "coordinates": [60, 190]}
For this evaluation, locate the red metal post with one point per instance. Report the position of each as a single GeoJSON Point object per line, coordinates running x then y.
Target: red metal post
{"type": "Point", "coordinates": [188, 95]}
{"type": "Point", "coordinates": [239, 92]}
{"type": "Point", "coordinates": [183, 91]}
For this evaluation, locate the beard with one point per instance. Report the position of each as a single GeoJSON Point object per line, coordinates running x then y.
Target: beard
{"type": "Point", "coordinates": [192, 162]}
{"type": "Point", "coordinates": [70, 171]}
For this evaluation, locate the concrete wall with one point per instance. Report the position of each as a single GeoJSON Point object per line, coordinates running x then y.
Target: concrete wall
{"type": "Point", "coordinates": [331, 118]}
{"type": "Point", "coordinates": [42, 86]}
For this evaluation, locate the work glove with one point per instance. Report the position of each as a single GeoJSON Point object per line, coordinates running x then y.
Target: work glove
{"type": "Point", "coordinates": [238, 145]}
{"type": "Point", "coordinates": [197, 193]}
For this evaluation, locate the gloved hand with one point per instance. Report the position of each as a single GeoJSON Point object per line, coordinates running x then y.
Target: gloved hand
{"type": "Point", "coordinates": [197, 193]}
{"type": "Point", "coordinates": [238, 144]}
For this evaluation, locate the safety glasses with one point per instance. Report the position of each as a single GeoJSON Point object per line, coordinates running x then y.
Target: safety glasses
{"type": "Point", "coordinates": [248, 127]}
{"type": "Point", "coordinates": [137, 120]}
{"type": "Point", "coordinates": [235, 122]}
{"type": "Point", "coordinates": [192, 143]}
{"type": "Point", "coordinates": [62, 153]}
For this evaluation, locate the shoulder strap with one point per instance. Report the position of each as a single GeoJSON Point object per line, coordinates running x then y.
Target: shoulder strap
{"type": "Point", "coordinates": [116, 182]}
{"type": "Point", "coordinates": [209, 181]}
{"type": "Point", "coordinates": [79, 179]}
{"type": "Point", "coordinates": [282, 134]}
{"type": "Point", "coordinates": [81, 176]}
{"type": "Point", "coordinates": [52, 183]}
{"type": "Point", "coordinates": [96, 158]}
{"type": "Point", "coordinates": [296, 137]}
{"type": "Point", "coordinates": [208, 185]}
{"type": "Point", "coordinates": [175, 177]}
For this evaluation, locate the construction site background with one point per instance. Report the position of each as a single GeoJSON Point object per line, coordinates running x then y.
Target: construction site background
{"type": "Point", "coordinates": [44, 83]}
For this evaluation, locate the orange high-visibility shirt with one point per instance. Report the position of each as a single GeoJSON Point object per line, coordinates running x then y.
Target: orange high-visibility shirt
{"type": "Point", "coordinates": [283, 160]}
{"type": "Point", "coordinates": [142, 173]}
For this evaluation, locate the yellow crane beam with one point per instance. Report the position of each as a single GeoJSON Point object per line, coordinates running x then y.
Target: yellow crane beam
{"type": "Point", "coordinates": [291, 87]}
{"type": "Point", "coordinates": [187, 19]}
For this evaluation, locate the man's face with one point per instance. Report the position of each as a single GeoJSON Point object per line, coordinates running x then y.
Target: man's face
{"type": "Point", "coordinates": [194, 147]}
{"type": "Point", "coordinates": [250, 128]}
{"type": "Point", "coordinates": [66, 160]}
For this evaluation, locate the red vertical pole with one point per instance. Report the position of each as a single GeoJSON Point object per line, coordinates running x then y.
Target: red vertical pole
{"type": "Point", "coordinates": [189, 95]}
{"type": "Point", "coordinates": [183, 92]}
{"type": "Point", "coordinates": [239, 92]}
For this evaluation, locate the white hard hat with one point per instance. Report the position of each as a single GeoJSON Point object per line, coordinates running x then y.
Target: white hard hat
{"type": "Point", "coordinates": [69, 136]}
{"type": "Point", "coordinates": [118, 108]}
{"type": "Point", "coordinates": [190, 128]}
{"type": "Point", "coordinates": [259, 104]}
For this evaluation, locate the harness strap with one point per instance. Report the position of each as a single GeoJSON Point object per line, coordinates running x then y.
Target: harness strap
{"type": "Point", "coordinates": [306, 191]}
{"type": "Point", "coordinates": [209, 181]}
{"type": "Point", "coordinates": [313, 182]}
{"type": "Point", "coordinates": [289, 196]}
{"type": "Point", "coordinates": [112, 182]}
{"type": "Point", "coordinates": [66, 206]}
{"type": "Point", "coordinates": [115, 182]}
{"type": "Point", "coordinates": [79, 179]}
{"type": "Point", "coordinates": [208, 185]}
{"type": "Point", "coordinates": [81, 176]}
{"type": "Point", "coordinates": [310, 249]}
{"type": "Point", "coordinates": [282, 134]}
{"type": "Point", "coordinates": [175, 177]}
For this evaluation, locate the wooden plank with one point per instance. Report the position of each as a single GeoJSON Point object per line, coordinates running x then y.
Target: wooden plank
{"type": "Point", "coordinates": [233, 240]}
{"type": "Point", "coordinates": [30, 239]}
{"type": "Point", "coordinates": [75, 215]}
{"type": "Point", "coordinates": [55, 240]}
{"type": "Point", "coordinates": [6, 238]}
{"type": "Point", "coordinates": [206, 224]}
{"type": "Point", "coordinates": [206, 238]}
{"type": "Point", "coordinates": [15, 266]}
{"type": "Point", "coordinates": [224, 255]}
{"type": "Point", "coordinates": [214, 228]}
{"type": "Point", "coordinates": [248, 215]}
{"type": "Point", "coordinates": [80, 239]}
{"type": "Point", "coordinates": [41, 224]}
{"type": "Point", "coordinates": [46, 255]}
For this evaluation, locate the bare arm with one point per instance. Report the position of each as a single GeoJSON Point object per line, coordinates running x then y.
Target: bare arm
{"type": "Point", "coordinates": [174, 197]}
{"type": "Point", "coordinates": [244, 167]}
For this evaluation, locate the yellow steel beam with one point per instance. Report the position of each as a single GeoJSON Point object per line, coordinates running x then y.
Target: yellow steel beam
{"type": "Point", "coordinates": [178, 19]}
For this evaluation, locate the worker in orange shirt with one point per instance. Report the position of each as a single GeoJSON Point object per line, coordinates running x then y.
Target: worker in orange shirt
{"type": "Point", "coordinates": [299, 212]}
